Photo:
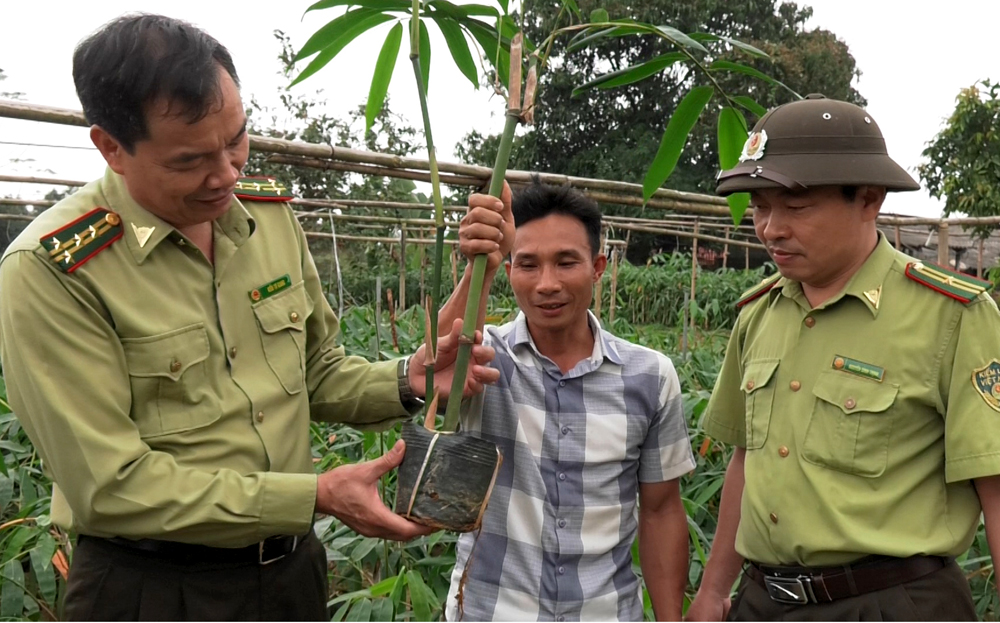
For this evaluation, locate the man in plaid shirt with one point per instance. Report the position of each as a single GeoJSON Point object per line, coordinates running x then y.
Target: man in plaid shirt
{"type": "Point", "coordinates": [588, 424]}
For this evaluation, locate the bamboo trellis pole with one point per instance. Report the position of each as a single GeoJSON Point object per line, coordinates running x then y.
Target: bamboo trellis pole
{"type": "Point", "coordinates": [402, 267]}
{"type": "Point", "coordinates": [898, 245]}
{"type": "Point", "coordinates": [979, 264]}
{"type": "Point", "coordinates": [694, 272]}
{"type": "Point", "coordinates": [614, 286]}
{"type": "Point", "coordinates": [725, 249]}
{"type": "Point", "coordinates": [943, 251]}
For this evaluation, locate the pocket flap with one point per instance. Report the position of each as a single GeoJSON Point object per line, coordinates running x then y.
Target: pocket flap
{"type": "Point", "coordinates": [167, 354]}
{"type": "Point", "coordinates": [758, 374]}
{"type": "Point", "coordinates": [852, 394]}
{"type": "Point", "coordinates": [285, 310]}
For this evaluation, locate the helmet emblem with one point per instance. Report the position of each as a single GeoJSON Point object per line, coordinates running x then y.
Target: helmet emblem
{"type": "Point", "coordinates": [753, 149]}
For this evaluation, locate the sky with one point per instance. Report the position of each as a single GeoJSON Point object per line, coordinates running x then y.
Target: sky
{"type": "Point", "coordinates": [913, 60]}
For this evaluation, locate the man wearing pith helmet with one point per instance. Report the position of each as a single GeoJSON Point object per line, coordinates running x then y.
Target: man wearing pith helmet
{"type": "Point", "coordinates": [858, 391]}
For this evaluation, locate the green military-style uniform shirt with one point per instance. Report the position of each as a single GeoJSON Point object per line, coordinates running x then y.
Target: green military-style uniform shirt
{"type": "Point", "coordinates": [864, 419]}
{"type": "Point", "coordinates": [168, 397]}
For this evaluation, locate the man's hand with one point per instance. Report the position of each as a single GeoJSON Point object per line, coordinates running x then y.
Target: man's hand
{"type": "Point", "coordinates": [350, 493]}
{"type": "Point", "coordinates": [707, 607]}
{"type": "Point", "coordinates": [488, 228]}
{"type": "Point", "coordinates": [479, 373]}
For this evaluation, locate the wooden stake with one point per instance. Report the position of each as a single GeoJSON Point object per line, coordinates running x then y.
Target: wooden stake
{"type": "Point", "coordinates": [746, 251]}
{"type": "Point", "coordinates": [392, 319]}
{"type": "Point", "coordinates": [979, 265]}
{"type": "Point", "coordinates": [694, 272]}
{"type": "Point", "coordinates": [725, 249]}
{"type": "Point", "coordinates": [898, 245]}
{"type": "Point", "coordinates": [402, 267]}
{"type": "Point", "coordinates": [944, 252]}
{"type": "Point", "coordinates": [614, 286]}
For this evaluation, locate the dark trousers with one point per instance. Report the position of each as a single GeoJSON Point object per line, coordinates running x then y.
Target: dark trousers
{"type": "Point", "coordinates": [943, 595]}
{"type": "Point", "coordinates": [110, 582]}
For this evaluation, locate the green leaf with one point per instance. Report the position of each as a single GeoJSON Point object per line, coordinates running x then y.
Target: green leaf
{"type": "Point", "coordinates": [571, 5]}
{"type": "Point", "coordinates": [599, 15]}
{"type": "Point", "coordinates": [746, 47]}
{"type": "Point", "coordinates": [425, 57]}
{"type": "Point", "coordinates": [611, 31]}
{"type": "Point", "coordinates": [12, 593]}
{"type": "Point", "coordinates": [674, 138]}
{"type": "Point", "coordinates": [721, 65]}
{"type": "Point", "coordinates": [6, 491]}
{"type": "Point", "coordinates": [396, 595]}
{"type": "Point", "coordinates": [419, 596]}
{"type": "Point", "coordinates": [631, 74]}
{"type": "Point", "coordinates": [493, 46]}
{"type": "Point", "coordinates": [459, 48]}
{"type": "Point", "coordinates": [751, 105]}
{"type": "Point", "coordinates": [738, 204]}
{"type": "Point", "coordinates": [363, 548]}
{"type": "Point", "coordinates": [383, 610]}
{"type": "Point", "coordinates": [732, 134]}
{"type": "Point", "coordinates": [368, 21]}
{"type": "Point", "coordinates": [384, 587]}
{"type": "Point", "coordinates": [381, 5]}
{"type": "Point", "coordinates": [328, 34]}
{"type": "Point", "coordinates": [360, 611]}
{"type": "Point", "coordinates": [680, 38]}
{"type": "Point", "coordinates": [384, 67]}
{"type": "Point", "coordinates": [41, 568]}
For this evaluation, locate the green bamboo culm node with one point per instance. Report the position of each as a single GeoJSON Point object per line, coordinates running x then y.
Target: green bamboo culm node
{"type": "Point", "coordinates": [479, 264]}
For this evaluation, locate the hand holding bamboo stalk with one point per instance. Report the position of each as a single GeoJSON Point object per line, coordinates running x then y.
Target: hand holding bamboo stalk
{"type": "Point", "coordinates": [479, 373]}
{"type": "Point", "coordinates": [488, 228]}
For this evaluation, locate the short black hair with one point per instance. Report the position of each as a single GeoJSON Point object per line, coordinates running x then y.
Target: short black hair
{"type": "Point", "coordinates": [850, 193]}
{"type": "Point", "coordinates": [135, 60]}
{"type": "Point", "coordinates": [540, 200]}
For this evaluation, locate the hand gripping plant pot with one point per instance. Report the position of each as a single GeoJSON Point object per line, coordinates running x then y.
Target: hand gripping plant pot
{"type": "Point", "coordinates": [446, 477]}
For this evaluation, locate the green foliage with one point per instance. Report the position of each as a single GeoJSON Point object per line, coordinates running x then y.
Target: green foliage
{"type": "Point", "coordinates": [963, 160]}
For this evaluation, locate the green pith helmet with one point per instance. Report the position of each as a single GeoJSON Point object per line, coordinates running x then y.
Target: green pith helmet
{"type": "Point", "coordinates": [814, 142]}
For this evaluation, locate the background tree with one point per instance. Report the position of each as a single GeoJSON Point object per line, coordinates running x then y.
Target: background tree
{"type": "Point", "coordinates": [963, 160]}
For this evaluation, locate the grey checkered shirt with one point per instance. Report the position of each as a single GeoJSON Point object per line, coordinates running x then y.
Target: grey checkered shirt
{"type": "Point", "coordinates": [556, 543]}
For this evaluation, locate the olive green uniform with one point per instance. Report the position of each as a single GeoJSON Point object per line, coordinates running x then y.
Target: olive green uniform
{"type": "Point", "coordinates": [170, 397]}
{"type": "Point", "coordinates": [862, 419]}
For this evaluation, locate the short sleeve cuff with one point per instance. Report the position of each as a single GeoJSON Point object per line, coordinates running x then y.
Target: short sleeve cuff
{"type": "Point", "coordinates": [289, 503]}
{"type": "Point", "coordinates": [971, 467]}
{"type": "Point", "coordinates": [726, 434]}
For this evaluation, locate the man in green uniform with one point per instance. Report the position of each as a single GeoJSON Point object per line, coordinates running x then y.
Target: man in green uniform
{"type": "Point", "coordinates": [165, 345]}
{"type": "Point", "coordinates": [860, 388]}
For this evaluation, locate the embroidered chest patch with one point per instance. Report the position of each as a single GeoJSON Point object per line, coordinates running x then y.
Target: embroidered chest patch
{"type": "Point", "coordinates": [270, 289]}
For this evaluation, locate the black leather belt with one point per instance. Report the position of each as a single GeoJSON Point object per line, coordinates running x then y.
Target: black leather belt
{"type": "Point", "coordinates": [269, 550]}
{"type": "Point", "coordinates": [811, 585]}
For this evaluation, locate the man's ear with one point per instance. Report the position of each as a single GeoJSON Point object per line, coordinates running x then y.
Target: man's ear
{"type": "Point", "coordinates": [113, 151]}
{"type": "Point", "coordinates": [506, 267]}
{"type": "Point", "coordinates": [600, 264]}
{"type": "Point", "coordinates": [871, 198]}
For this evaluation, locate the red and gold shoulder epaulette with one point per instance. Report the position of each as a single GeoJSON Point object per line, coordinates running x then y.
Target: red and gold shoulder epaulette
{"type": "Point", "coordinates": [261, 189]}
{"type": "Point", "coordinates": [72, 245]}
{"type": "Point", "coordinates": [758, 290]}
{"type": "Point", "coordinates": [946, 281]}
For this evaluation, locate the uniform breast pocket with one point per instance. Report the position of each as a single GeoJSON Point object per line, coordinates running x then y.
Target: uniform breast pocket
{"type": "Point", "coordinates": [758, 387]}
{"type": "Point", "coordinates": [171, 391]}
{"type": "Point", "coordinates": [851, 424]}
{"type": "Point", "coordinates": [282, 321]}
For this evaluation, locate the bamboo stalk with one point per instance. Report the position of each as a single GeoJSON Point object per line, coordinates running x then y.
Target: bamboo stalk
{"type": "Point", "coordinates": [612, 304]}
{"type": "Point", "coordinates": [402, 267]}
{"type": "Point", "coordinates": [392, 319]}
{"type": "Point", "coordinates": [944, 252]}
{"type": "Point", "coordinates": [479, 264]}
{"type": "Point", "coordinates": [979, 264]}
{"type": "Point", "coordinates": [694, 273]}
{"type": "Point", "coordinates": [725, 249]}
{"type": "Point", "coordinates": [898, 246]}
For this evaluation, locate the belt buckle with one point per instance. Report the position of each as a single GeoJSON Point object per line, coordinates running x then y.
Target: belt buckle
{"type": "Point", "coordinates": [797, 590]}
{"type": "Point", "coordinates": [260, 555]}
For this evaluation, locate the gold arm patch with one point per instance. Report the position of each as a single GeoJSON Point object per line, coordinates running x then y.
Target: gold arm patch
{"type": "Point", "coordinates": [986, 380]}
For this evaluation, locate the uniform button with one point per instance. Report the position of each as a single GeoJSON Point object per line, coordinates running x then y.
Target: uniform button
{"type": "Point", "coordinates": [849, 403]}
{"type": "Point", "coordinates": [562, 383]}
{"type": "Point", "coordinates": [749, 384]}
{"type": "Point", "coordinates": [560, 618]}
{"type": "Point", "coordinates": [774, 518]}
{"type": "Point", "coordinates": [112, 219]}
{"type": "Point", "coordinates": [838, 363]}
{"type": "Point", "coordinates": [783, 451]}
{"type": "Point", "coordinates": [795, 385]}
{"type": "Point", "coordinates": [260, 416]}
{"type": "Point", "coordinates": [294, 316]}
{"type": "Point", "coordinates": [810, 321]}
{"type": "Point", "coordinates": [175, 366]}
{"type": "Point", "coordinates": [232, 353]}
{"type": "Point", "coordinates": [562, 476]}
{"type": "Point", "coordinates": [565, 430]}
{"type": "Point", "coordinates": [562, 523]}
{"type": "Point", "coordinates": [562, 570]}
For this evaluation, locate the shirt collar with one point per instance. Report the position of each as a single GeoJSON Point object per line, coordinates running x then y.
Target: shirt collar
{"type": "Point", "coordinates": [865, 285]}
{"type": "Point", "coordinates": [144, 231]}
{"type": "Point", "coordinates": [604, 348]}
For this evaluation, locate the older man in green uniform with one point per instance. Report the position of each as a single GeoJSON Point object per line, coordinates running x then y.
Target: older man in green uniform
{"type": "Point", "coordinates": [860, 390]}
{"type": "Point", "coordinates": [166, 342]}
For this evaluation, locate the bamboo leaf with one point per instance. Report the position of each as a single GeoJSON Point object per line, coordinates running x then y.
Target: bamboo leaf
{"type": "Point", "coordinates": [749, 104]}
{"type": "Point", "coordinates": [329, 52]}
{"type": "Point", "coordinates": [674, 138]}
{"type": "Point", "coordinates": [599, 15]}
{"type": "Point", "coordinates": [746, 47]}
{"type": "Point", "coordinates": [384, 67]}
{"type": "Point", "coordinates": [680, 38]}
{"type": "Point", "coordinates": [571, 5]}
{"type": "Point", "coordinates": [738, 204]}
{"type": "Point", "coordinates": [381, 5]}
{"type": "Point", "coordinates": [425, 57]}
{"type": "Point", "coordinates": [419, 596]}
{"type": "Point", "coordinates": [383, 610]}
{"type": "Point", "coordinates": [328, 34]}
{"type": "Point", "coordinates": [611, 31]}
{"type": "Point", "coordinates": [493, 47]}
{"type": "Point", "coordinates": [721, 65]}
{"type": "Point", "coordinates": [631, 74]}
{"type": "Point", "coordinates": [466, 10]}
{"type": "Point", "coordinates": [459, 48]}
{"type": "Point", "coordinates": [360, 611]}
{"type": "Point", "coordinates": [45, 577]}
{"type": "Point", "coordinates": [732, 134]}
{"type": "Point", "coordinates": [396, 595]}
{"type": "Point", "coordinates": [384, 587]}
{"type": "Point", "coordinates": [6, 491]}
{"type": "Point", "coordinates": [12, 593]}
